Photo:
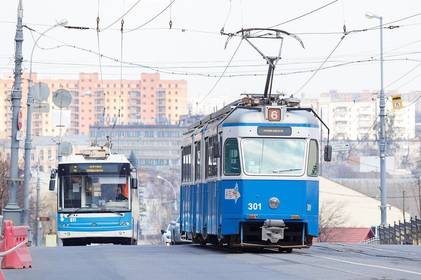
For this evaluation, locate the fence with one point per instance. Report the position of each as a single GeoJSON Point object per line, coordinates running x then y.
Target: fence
{"type": "Point", "coordinates": [407, 233]}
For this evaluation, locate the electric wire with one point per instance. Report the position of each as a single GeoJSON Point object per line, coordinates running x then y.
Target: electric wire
{"type": "Point", "coordinates": [222, 74]}
{"type": "Point", "coordinates": [99, 45]}
{"type": "Point", "coordinates": [151, 19]}
{"type": "Point", "coordinates": [227, 16]}
{"type": "Point", "coordinates": [122, 16]}
{"type": "Point", "coordinates": [305, 14]}
{"type": "Point", "coordinates": [321, 65]}
{"type": "Point", "coordinates": [403, 76]}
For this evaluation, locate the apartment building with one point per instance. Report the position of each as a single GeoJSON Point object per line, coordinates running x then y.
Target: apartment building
{"type": "Point", "coordinates": [148, 100]}
{"type": "Point", "coordinates": [353, 116]}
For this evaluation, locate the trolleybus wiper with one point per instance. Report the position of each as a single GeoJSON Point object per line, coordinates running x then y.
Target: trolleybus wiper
{"type": "Point", "coordinates": [74, 212]}
{"type": "Point", "coordinates": [286, 170]}
{"type": "Point", "coordinates": [112, 211]}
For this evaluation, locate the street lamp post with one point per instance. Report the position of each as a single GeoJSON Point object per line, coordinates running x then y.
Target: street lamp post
{"type": "Point", "coordinates": [382, 140]}
{"type": "Point", "coordinates": [28, 139]}
{"type": "Point", "coordinates": [172, 188]}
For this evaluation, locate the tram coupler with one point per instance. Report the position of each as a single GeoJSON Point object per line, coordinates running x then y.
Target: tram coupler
{"type": "Point", "coordinates": [273, 230]}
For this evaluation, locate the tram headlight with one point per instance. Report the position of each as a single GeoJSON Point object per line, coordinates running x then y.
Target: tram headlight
{"type": "Point", "coordinates": [124, 223]}
{"type": "Point", "coordinates": [274, 202]}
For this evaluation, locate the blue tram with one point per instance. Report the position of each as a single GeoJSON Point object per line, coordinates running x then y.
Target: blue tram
{"type": "Point", "coordinates": [250, 175]}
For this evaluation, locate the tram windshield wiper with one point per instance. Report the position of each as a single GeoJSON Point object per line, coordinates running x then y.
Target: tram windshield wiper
{"type": "Point", "coordinates": [285, 170]}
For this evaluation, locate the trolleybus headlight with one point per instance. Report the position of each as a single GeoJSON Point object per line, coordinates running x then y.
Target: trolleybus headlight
{"type": "Point", "coordinates": [274, 203]}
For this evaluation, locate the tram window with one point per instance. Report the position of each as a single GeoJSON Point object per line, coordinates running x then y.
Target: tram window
{"type": "Point", "coordinates": [186, 164]}
{"type": "Point", "coordinates": [231, 157]}
{"type": "Point", "coordinates": [313, 159]}
{"type": "Point", "coordinates": [211, 163]}
{"type": "Point", "coordinates": [197, 161]}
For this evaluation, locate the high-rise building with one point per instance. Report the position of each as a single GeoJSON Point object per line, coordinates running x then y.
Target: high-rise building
{"type": "Point", "coordinates": [354, 116]}
{"type": "Point", "coordinates": [148, 100]}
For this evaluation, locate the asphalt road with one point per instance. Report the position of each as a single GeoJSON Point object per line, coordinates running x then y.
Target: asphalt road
{"type": "Point", "coordinates": [188, 261]}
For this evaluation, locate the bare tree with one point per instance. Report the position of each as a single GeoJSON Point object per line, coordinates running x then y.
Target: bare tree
{"type": "Point", "coordinates": [331, 215]}
{"type": "Point", "coordinates": [4, 174]}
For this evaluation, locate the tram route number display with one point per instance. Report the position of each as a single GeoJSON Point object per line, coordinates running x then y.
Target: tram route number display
{"type": "Point", "coordinates": [274, 130]}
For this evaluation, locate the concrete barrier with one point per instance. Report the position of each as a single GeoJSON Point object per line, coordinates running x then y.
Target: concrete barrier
{"type": "Point", "coordinates": [14, 249]}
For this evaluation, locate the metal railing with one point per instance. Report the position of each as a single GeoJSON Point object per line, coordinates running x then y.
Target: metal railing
{"type": "Point", "coordinates": [405, 233]}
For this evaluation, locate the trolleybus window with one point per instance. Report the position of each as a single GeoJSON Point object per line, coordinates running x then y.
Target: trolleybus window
{"type": "Point", "coordinates": [94, 187]}
{"type": "Point", "coordinates": [271, 156]}
{"type": "Point", "coordinates": [231, 157]}
{"type": "Point", "coordinates": [313, 159]}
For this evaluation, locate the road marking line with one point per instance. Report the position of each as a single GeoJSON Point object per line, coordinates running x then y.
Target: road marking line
{"type": "Point", "coordinates": [372, 265]}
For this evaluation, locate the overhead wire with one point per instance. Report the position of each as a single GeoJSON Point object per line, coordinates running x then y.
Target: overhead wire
{"type": "Point", "coordinates": [151, 19]}
{"type": "Point", "coordinates": [305, 14]}
{"type": "Point", "coordinates": [222, 74]}
{"type": "Point", "coordinates": [99, 44]}
{"type": "Point", "coordinates": [403, 76]}
{"type": "Point", "coordinates": [226, 17]}
{"type": "Point", "coordinates": [122, 16]}
{"type": "Point", "coordinates": [322, 64]}
{"type": "Point", "coordinates": [164, 71]}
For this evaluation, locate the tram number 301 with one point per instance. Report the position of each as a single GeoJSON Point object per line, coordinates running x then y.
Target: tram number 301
{"type": "Point", "coordinates": [254, 206]}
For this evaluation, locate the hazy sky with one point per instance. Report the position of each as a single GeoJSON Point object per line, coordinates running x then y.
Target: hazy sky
{"type": "Point", "coordinates": [201, 48]}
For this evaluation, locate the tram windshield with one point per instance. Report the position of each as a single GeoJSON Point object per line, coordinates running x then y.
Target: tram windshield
{"type": "Point", "coordinates": [268, 156]}
{"type": "Point", "coordinates": [93, 190]}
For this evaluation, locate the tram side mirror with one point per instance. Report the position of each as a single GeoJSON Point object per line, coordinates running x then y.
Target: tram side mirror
{"type": "Point", "coordinates": [133, 183]}
{"type": "Point", "coordinates": [328, 153]}
{"type": "Point", "coordinates": [216, 150]}
{"type": "Point", "coordinates": [52, 185]}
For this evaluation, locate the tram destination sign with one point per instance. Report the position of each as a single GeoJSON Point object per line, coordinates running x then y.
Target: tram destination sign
{"type": "Point", "coordinates": [274, 130]}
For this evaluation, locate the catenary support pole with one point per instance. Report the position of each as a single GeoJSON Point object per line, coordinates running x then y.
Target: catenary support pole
{"type": "Point", "coordinates": [12, 210]}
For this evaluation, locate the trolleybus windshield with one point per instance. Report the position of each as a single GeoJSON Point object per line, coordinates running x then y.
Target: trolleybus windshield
{"type": "Point", "coordinates": [269, 156]}
{"type": "Point", "coordinates": [96, 188]}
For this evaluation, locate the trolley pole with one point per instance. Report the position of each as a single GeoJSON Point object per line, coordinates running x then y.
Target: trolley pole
{"type": "Point", "coordinates": [12, 210]}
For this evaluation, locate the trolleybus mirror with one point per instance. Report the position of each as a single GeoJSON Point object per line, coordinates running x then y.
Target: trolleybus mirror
{"type": "Point", "coordinates": [133, 183]}
{"type": "Point", "coordinates": [328, 153]}
{"type": "Point", "coordinates": [52, 185]}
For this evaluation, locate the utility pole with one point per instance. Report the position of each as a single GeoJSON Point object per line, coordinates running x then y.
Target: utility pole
{"type": "Point", "coordinates": [37, 208]}
{"type": "Point", "coordinates": [419, 196]}
{"type": "Point", "coordinates": [12, 210]}
{"type": "Point", "coordinates": [382, 138]}
{"type": "Point", "coordinates": [403, 206]}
